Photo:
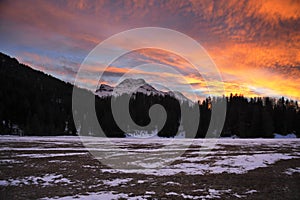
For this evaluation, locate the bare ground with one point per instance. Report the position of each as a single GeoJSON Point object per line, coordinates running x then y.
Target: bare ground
{"type": "Point", "coordinates": [79, 175]}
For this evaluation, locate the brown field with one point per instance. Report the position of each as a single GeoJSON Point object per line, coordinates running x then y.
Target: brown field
{"type": "Point", "coordinates": [42, 168]}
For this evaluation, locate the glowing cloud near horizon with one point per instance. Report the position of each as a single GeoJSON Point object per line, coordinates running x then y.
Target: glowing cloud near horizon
{"type": "Point", "coordinates": [255, 44]}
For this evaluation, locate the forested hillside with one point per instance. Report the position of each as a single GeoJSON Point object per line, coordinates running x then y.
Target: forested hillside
{"type": "Point", "coordinates": [33, 103]}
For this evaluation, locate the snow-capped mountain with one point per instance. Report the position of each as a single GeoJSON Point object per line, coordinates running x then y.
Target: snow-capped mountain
{"type": "Point", "coordinates": [134, 86]}
{"type": "Point", "coordinates": [180, 97]}
{"type": "Point", "coordinates": [104, 90]}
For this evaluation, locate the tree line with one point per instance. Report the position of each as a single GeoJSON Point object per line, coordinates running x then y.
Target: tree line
{"type": "Point", "coordinates": [254, 117]}
{"type": "Point", "coordinates": [34, 103]}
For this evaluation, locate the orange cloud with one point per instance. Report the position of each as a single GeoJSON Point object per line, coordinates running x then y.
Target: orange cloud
{"type": "Point", "coordinates": [277, 9]}
{"type": "Point", "coordinates": [255, 44]}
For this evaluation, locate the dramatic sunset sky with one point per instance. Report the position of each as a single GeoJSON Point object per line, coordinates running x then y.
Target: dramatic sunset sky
{"type": "Point", "coordinates": [254, 44]}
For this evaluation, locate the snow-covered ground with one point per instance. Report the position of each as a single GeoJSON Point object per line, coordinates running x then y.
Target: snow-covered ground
{"type": "Point", "coordinates": [45, 180]}
{"type": "Point", "coordinates": [157, 156]}
{"type": "Point", "coordinates": [212, 194]}
{"type": "Point", "coordinates": [73, 162]}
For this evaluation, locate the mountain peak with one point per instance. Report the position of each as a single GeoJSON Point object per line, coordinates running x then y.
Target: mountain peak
{"type": "Point", "coordinates": [131, 85]}
{"type": "Point", "coordinates": [104, 90]}
{"type": "Point", "coordinates": [132, 81]}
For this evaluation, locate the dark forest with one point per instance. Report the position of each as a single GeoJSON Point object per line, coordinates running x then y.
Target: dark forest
{"type": "Point", "coordinates": [34, 103]}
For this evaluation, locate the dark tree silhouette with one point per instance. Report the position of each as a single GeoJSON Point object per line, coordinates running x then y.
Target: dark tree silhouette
{"type": "Point", "coordinates": [34, 103]}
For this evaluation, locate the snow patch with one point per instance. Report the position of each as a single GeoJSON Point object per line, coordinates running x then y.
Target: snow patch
{"type": "Point", "coordinates": [171, 183]}
{"type": "Point", "coordinates": [142, 181]}
{"type": "Point", "coordinates": [10, 161]}
{"type": "Point", "coordinates": [116, 182]}
{"type": "Point", "coordinates": [251, 191]}
{"type": "Point", "coordinates": [243, 163]}
{"type": "Point", "coordinates": [46, 155]}
{"type": "Point", "coordinates": [238, 164]}
{"type": "Point", "coordinates": [46, 180]}
{"type": "Point", "coordinates": [172, 193]}
{"type": "Point", "coordinates": [291, 171]}
{"type": "Point", "coordinates": [104, 195]}
{"type": "Point", "coordinates": [291, 135]}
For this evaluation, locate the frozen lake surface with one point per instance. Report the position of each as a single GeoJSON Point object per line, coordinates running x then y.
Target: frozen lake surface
{"type": "Point", "coordinates": [92, 168]}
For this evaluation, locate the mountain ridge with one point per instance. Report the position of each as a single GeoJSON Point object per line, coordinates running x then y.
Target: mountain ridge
{"type": "Point", "coordinates": [133, 86]}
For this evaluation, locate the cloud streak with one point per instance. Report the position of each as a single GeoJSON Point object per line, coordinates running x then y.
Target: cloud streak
{"type": "Point", "coordinates": [255, 44]}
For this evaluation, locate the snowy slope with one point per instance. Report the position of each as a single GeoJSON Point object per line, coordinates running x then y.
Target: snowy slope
{"type": "Point", "coordinates": [134, 86]}
{"type": "Point", "coordinates": [104, 90]}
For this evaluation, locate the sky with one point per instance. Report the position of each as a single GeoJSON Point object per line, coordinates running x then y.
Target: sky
{"type": "Point", "coordinates": [255, 45]}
